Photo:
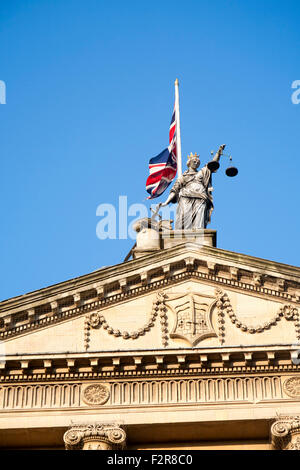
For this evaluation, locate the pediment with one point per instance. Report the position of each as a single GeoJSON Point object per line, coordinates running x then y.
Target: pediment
{"type": "Point", "coordinates": [188, 314]}
{"type": "Point", "coordinates": [57, 317]}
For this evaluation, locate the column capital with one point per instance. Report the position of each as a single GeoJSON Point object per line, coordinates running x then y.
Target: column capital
{"type": "Point", "coordinates": [95, 436]}
{"type": "Point", "coordinates": [285, 433]}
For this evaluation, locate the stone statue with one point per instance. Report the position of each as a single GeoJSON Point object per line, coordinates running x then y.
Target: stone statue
{"type": "Point", "coordinates": [192, 191]}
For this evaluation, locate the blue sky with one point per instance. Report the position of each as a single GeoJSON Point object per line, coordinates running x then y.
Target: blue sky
{"type": "Point", "coordinates": [90, 91]}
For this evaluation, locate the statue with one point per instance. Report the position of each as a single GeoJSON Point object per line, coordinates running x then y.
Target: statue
{"type": "Point", "coordinates": [192, 191]}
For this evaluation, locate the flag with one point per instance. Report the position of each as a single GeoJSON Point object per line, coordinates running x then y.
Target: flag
{"type": "Point", "coordinates": [163, 167]}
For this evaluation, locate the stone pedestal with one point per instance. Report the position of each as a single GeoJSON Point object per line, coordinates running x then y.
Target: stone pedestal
{"type": "Point", "coordinates": [202, 237]}
{"type": "Point", "coordinates": [148, 237]}
{"type": "Point", "coordinates": [158, 235]}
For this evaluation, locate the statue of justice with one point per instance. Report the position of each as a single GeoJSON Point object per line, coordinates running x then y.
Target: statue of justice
{"type": "Point", "coordinates": [193, 193]}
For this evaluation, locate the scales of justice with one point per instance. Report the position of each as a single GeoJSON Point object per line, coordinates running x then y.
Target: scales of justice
{"type": "Point", "coordinates": [192, 191]}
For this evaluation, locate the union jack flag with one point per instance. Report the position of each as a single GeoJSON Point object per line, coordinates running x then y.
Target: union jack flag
{"type": "Point", "coordinates": [163, 167]}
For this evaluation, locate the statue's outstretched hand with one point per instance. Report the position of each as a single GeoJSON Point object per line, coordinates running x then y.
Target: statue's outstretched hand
{"type": "Point", "coordinates": [169, 199]}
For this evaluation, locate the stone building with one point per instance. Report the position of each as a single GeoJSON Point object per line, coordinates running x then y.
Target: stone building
{"type": "Point", "coordinates": [185, 346]}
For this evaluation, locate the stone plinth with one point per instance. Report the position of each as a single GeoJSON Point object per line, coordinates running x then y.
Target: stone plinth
{"type": "Point", "coordinates": [201, 236]}
{"type": "Point", "coordinates": [148, 237]}
{"type": "Point", "coordinates": [155, 236]}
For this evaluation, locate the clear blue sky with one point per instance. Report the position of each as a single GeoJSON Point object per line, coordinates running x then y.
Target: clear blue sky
{"type": "Point", "coordinates": [90, 91]}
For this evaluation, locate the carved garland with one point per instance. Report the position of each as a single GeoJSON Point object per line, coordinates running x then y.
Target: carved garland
{"type": "Point", "coordinates": [288, 311]}
{"type": "Point", "coordinates": [96, 320]}
{"type": "Point", "coordinates": [12, 331]}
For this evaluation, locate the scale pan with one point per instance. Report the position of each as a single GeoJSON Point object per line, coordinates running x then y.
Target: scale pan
{"type": "Point", "coordinates": [213, 166]}
{"type": "Point", "coordinates": [231, 171]}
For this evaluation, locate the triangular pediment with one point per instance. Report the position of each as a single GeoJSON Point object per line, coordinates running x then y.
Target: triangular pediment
{"type": "Point", "coordinates": [253, 293]}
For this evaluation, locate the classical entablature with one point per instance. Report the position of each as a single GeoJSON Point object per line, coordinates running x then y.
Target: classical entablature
{"type": "Point", "coordinates": [187, 334]}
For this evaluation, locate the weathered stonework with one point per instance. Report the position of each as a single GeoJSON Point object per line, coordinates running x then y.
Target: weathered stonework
{"type": "Point", "coordinates": [190, 338]}
{"type": "Point", "coordinates": [34, 306]}
{"type": "Point", "coordinates": [95, 437]}
{"type": "Point", "coordinates": [95, 394]}
{"type": "Point", "coordinates": [285, 433]}
{"type": "Point", "coordinates": [292, 387]}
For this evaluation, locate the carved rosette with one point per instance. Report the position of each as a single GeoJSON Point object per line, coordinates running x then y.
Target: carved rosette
{"type": "Point", "coordinates": [95, 437]}
{"type": "Point", "coordinates": [291, 387]}
{"type": "Point", "coordinates": [95, 394]}
{"type": "Point", "coordinates": [285, 433]}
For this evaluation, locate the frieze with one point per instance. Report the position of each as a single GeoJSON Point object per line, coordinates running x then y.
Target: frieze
{"type": "Point", "coordinates": [142, 392]}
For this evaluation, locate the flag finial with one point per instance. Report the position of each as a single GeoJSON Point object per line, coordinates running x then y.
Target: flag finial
{"type": "Point", "coordinates": [176, 81]}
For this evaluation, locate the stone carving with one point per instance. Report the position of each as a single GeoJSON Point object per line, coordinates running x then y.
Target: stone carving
{"type": "Point", "coordinates": [295, 445]}
{"type": "Point", "coordinates": [95, 437]}
{"type": "Point", "coordinates": [96, 319]}
{"type": "Point", "coordinates": [193, 193]}
{"type": "Point", "coordinates": [220, 314]}
{"type": "Point", "coordinates": [257, 279]}
{"type": "Point", "coordinates": [285, 433]}
{"type": "Point", "coordinates": [192, 319]}
{"type": "Point", "coordinates": [160, 304]}
{"type": "Point", "coordinates": [95, 394]}
{"type": "Point", "coordinates": [291, 387]}
{"type": "Point", "coordinates": [288, 311]}
{"type": "Point", "coordinates": [192, 312]}
{"type": "Point", "coordinates": [194, 383]}
{"type": "Point", "coordinates": [37, 320]}
{"type": "Point", "coordinates": [59, 389]}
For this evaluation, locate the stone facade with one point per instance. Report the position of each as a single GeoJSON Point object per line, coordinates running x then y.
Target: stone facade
{"type": "Point", "coordinates": [185, 346]}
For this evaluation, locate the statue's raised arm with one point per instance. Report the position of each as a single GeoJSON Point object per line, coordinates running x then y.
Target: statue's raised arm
{"type": "Point", "coordinates": [193, 193]}
{"type": "Point", "coordinates": [219, 153]}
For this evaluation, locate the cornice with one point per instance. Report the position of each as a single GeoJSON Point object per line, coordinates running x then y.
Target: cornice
{"type": "Point", "coordinates": [267, 267]}
{"type": "Point", "coordinates": [144, 363]}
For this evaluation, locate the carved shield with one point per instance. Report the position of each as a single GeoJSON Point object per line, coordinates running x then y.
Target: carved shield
{"type": "Point", "coordinates": [192, 312]}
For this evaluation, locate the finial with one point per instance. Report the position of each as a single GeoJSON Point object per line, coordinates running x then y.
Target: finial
{"type": "Point", "coordinates": [176, 81]}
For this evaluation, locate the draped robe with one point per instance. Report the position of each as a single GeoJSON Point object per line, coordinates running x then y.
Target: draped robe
{"type": "Point", "coordinates": [193, 195]}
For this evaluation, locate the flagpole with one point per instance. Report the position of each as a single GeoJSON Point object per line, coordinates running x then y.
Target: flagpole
{"type": "Point", "coordinates": [178, 139]}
